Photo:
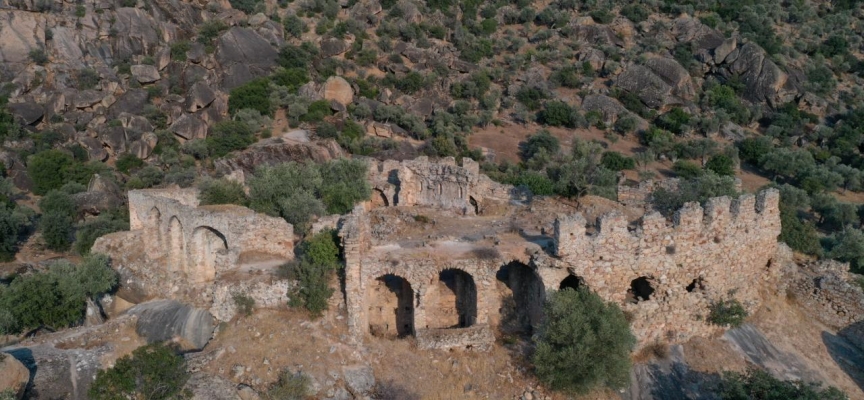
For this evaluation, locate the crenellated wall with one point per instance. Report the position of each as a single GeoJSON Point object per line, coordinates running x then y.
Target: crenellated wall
{"type": "Point", "coordinates": [703, 255]}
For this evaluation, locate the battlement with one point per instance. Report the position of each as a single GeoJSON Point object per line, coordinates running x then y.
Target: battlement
{"type": "Point", "coordinates": [721, 217]}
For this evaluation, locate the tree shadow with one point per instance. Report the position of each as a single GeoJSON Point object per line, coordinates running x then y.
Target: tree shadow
{"type": "Point", "coordinates": [846, 350]}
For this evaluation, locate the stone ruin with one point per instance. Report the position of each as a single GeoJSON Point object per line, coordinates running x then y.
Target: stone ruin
{"type": "Point", "coordinates": [457, 279]}
{"type": "Point", "coordinates": [177, 248]}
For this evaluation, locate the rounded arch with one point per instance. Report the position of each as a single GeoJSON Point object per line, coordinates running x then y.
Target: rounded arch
{"type": "Point", "coordinates": [521, 308]}
{"type": "Point", "coordinates": [452, 300]}
{"type": "Point", "coordinates": [379, 198]}
{"type": "Point", "coordinates": [176, 245]}
{"type": "Point", "coordinates": [390, 301]}
{"type": "Point", "coordinates": [208, 244]}
{"type": "Point", "coordinates": [571, 282]}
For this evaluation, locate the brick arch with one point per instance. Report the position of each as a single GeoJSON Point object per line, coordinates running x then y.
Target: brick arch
{"type": "Point", "coordinates": [207, 245]}
{"type": "Point", "coordinates": [390, 306]}
{"type": "Point", "coordinates": [451, 300]}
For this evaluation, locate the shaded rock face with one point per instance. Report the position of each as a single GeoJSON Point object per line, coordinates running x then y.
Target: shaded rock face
{"type": "Point", "coordinates": [14, 375]}
{"type": "Point", "coordinates": [145, 73]}
{"type": "Point", "coordinates": [764, 80]}
{"type": "Point", "coordinates": [209, 387]}
{"type": "Point", "coordinates": [59, 374]}
{"type": "Point", "coordinates": [659, 83]}
{"type": "Point", "coordinates": [611, 109]}
{"type": "Point", "coordinates": [359, 379]}
{"type": "Point", "coordinates": [163, 320]}
{"type": "Point", "coordinates": [245, 55]}
{"type": "Point", "coordinates": [20, 32]}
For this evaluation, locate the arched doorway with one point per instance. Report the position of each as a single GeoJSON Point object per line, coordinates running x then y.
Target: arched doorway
{"type": "Point", "coordinates": [209, 243]}
{"type": "Point", "coordinates": [391, 307]}
{"type": "Point", "coordinates": [176, 246]}
{"type": "Point", "coordinates": [452, 301]}
{"type": "Point", "coordinates": [522, 308]}
{"type": "Point", "coordinates": [379, 199]}
{"type": "Point", "coordinates": [570, 282]}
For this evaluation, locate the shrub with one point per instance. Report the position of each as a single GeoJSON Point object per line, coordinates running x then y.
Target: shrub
{"type": "Point", "coordinates": [344, 184]}
{"type": "Point", "coordinates": [105, 223]}
{"type": "Point", "coordinates": [583, 342]}
{"type": "Point", "coordinates": [294, 26]}
{"type": "Point", "coordinates": [752, 149]}
{"type": "Point", "coordinates": [686, 169]}
{"type": "Point", "coordinates": [410, 83]}
{"type": "Point", "coordinates": [128, 162]}
{"type": "Point", "coordinates": [38, 56]}
{"type": "Point", "coordinates": [291, 56]}
{"type": "Point", "coordinates": [675, 121]}
{"type": "Point", "coordinates": [12, 225]}
{"type": "Point", "coordinates": [615, 161]}
{"type": "Point", "coordinates": [758, 384]}
{"type": "Point", "coordinates": [57, 298]}
{"type": "Point", "coordinates": [288, 191]}
{"type": "Point", "coordinates": [87, 78]}
{"type": "Point", "coordinates": [254, 94]}
{"type": "Point", "coordinates": [290, 387]}
{"type": "Point", "coordinates": [721, 164]}
{"type": "Point", "coordinates": [221, 191]}
{"type": "Point", "coordinates": [727, 313]}
{"type": "Point", "coordinates": [153, 371]}
{"type": "Point", "coordinates": [58, 202]}
{"type": "Point", "coordinates": [179, 49]}
{"type": "Point", "coordinates": [531, 97]}
{"type": "Point", "coordinates": [247, 6]}
{"type": "Point", "coordinates": [848, 247]}
{"type": "Point", "coordinates": [559, 113]}
{"type": "Point", "coordinates": [602, 16]}
{"type": "Point", "coordinates": [542, 140]}
{"type": "Point", "coordinates": [243, 304]}
{"type": "Point", "coordinates": [316, 111]}
{"type": "Point", "coordinates": [635, 12]}
{"type": "Point", "coordinates": [291, 78]}
{"type": "Point", "coordinates": [57, 231]}
{"type": "Point", "coordinates": [319, 257]}
{"type": "Point", "coordinates": [698, 189]}
{"type": "Point", "coordinates": [537, 182]}
{"type": "Point", "coordinates": [227, 136]}
{"type": "Point", "coordinates": [48, 170]}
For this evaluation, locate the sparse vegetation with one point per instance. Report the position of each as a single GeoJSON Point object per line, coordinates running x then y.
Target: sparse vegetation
{"type": "Point", "coordinates": [154, 371]}
{"type": "Point", "coordinates": [728, 312]}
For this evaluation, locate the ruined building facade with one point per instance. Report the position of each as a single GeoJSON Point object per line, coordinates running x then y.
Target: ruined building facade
{"type": "Point", "coordinates": [452, 292]}
{"type": "Point", "coordinates": [176, 245]}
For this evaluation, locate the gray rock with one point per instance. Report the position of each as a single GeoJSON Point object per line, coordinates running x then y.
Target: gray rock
{"type": "Point", "coordinates": [95, 151]}
{"type": "Point", "coordinates": [14, 375]}
{"type": "Point", "coordinates": [196, 53]}
{"type": "Point", "coordinates": [332, 46]}
{"type": "Point", "coordinates": [247, 53]}
{"type": "Point", "coordinates": [114, 137]}
{"type": "Point", "coordinates": [87, 98]}
{"type": "Point", "coordinates": [140, 149]}
{"type": "Point", "coordinates": [660, 82]}
{"type": "Point", "coordinates": [145, 73]}
{"type": "Point", "coordinates": [732, 132]}
{"type": "Point", "coordinates": [309, 91]}
{"type": "Point", "coordinates": [60, 374]}
{"type": "Point", "coordinates": [199, 96]}
{"type": "Point", "coordinates": [189, 127]}
{"type": "Point", "coordinates": [359, 378]}
{"type": "Point", "coordinates": [209, 387]}
{"type": "Point", "coordinates": [722, 51]}
{"type": "Point", "coordinates": [163, 320]}
{"type": "Point", "coordinates": [764, 80]}
{"type": "Point", "coordinates": [27, 113]}
{"type": "Point", "coordinates": [131, 102]}
{"type": "Point", "coordinates": [135, 122]}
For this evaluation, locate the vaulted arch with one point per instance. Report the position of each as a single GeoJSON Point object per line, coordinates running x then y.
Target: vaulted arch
{"type": "Point", "coordinates": [390, 302]}
{"type": "Point", "coordinates": [208, 244]}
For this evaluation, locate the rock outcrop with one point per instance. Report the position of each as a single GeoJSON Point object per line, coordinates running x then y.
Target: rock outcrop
{"type": "Point", "coordinates": [166, 320]}
{"type": "Point", "coordinates": [14, 376]}
{"type": "Point", "coordinates": [659, 83]}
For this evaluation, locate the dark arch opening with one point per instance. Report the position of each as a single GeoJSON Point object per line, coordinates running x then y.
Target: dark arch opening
{"type": "Point", "coordinates": [454, 302]}
{"type": "Point", "coordinates": [697, 284]}
{"type": "Point", "coordinates": [391, 307]}
{"type": "Point", "coordinates": [208, 243]}
{"type": "Point", "coordinates": [571, 281]}
{"type": "Point", "coordinates": [640, 290]}
{"type": "Point", "coordinates": [522, 308]}
{"type": "Point", "coordinates": [474, 204]}
{"type": "Point", "coordinates": [379, 199]}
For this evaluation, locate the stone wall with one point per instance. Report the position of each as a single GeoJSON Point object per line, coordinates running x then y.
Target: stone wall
{"type": "Point", "coordinates": [665, 274]}
{"type": "Point", "coordinates": [441, 183]}
{"type": "Point", "coordinates": [824, 288]}
{"type": "Point", "coordinates": [176, 247]}
{"type": "Point", "coordinates": [722, 251]}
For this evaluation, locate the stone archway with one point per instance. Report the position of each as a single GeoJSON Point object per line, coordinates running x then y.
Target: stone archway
{"type": "Point", "coordinates": [390, 299]}
{"type": "Point", "coordinates": [521, 308]}
{"type": "Point", "coordinates": [452, 300]}
{"type": "Point", "coordinates": [176, 246]}
{"type": "Point", "coordinates": [570, 282]}
{"type": "Point", "coordinates": [208, 244]}
{"type": "Point", "coordinates": [379, 199]}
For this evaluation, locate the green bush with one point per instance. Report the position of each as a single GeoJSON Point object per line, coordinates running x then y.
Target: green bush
{"type": "Point", "coordinates": [291, 78]}
{"type": "Point", "coordinates": [179, 49]}
{"type": "Point", "coordinates": [757, 384]}
{"type": "Point", "coordinates": [635, 12]}
{"type": "Point", "coordinates": [247, 6]}
{"type": "Point", "coordinates": [537, 182]}
{"type": "Point", "coordinates": [12, 224]}
{"type": "Point", "coordinates": [57, 231]}
{"type": "Point", "coordinates": [291, 56]}
{"type": "Point", "coordinates": [531, 97]}
{"type": "Point", "coordinates": [686, 169]}
{"type": "Point", "coordinates": [154, 371]}
{"type": "Point", "coordinates": [615, 161]}
{"type": "Point", "coordinates": [541, 141]}
{"type": "Point", "coordinates": [128, 162]}
{"type": "Point", "coordinates": [57, 298]}
{"type": "Point", "coordinates": [559, 113]}
{"type": "Point", "coordinates": [319, 257]}
{"type": "Point", "coordinates": [254, 94]}
{"type": "Point", "coordinates": [721, 164]}
{"type": "Point", "coordinates": [221, 191]}
{"type": "Point", "coordinates": [698, 189]}
{"type": "Point", "coordinates": [344, 184]}
{"type": "Point", "coordinates": [583, 343]}
{"type": "Point", "coordinates": [48, 170]}
{"type": "Point", "coordinates": [727, 313]}
{"type": "Point", "coordinates": [316, 111]}
{"type": "Point", "coordinates": [107, 222]}
{"type": "Point", "coordinates": [602, 16]}
{"type": "Point", "coordinates": [228, 136]}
